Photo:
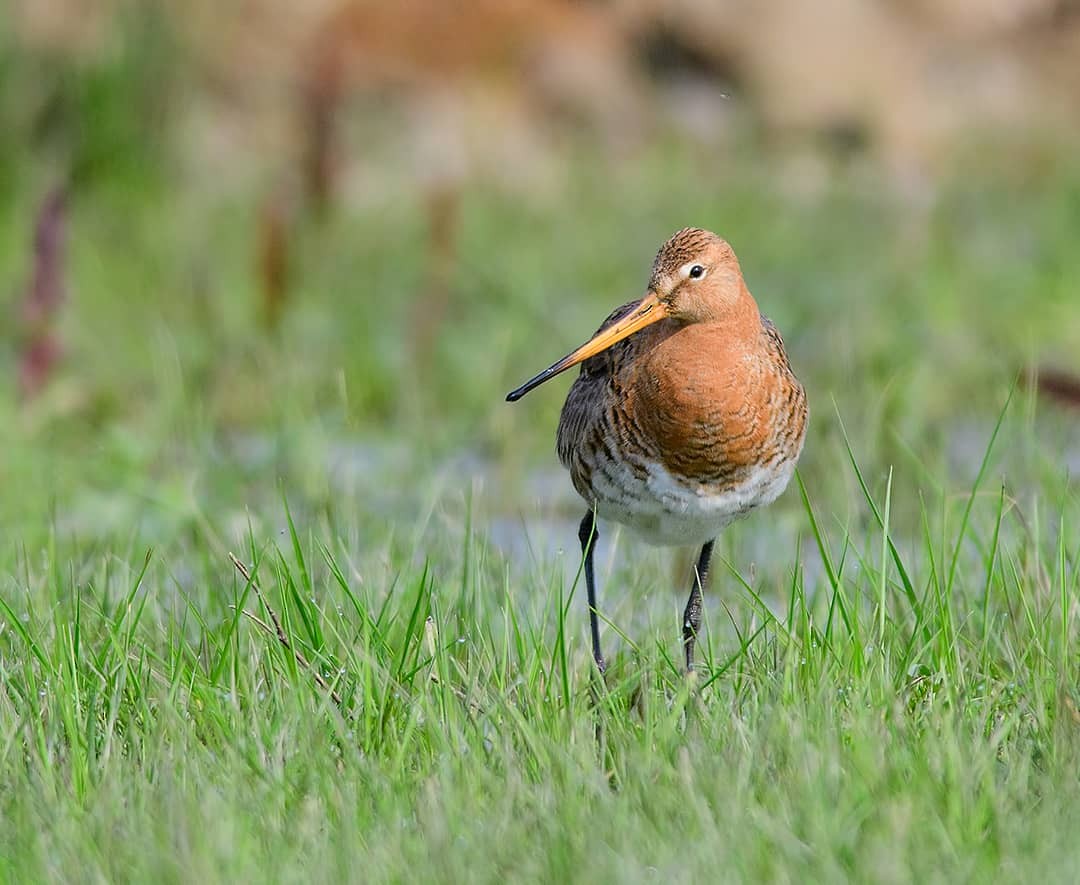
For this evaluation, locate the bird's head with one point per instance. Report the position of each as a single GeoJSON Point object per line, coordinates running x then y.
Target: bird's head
{"type": "Point", "coordinates": [695, 278]}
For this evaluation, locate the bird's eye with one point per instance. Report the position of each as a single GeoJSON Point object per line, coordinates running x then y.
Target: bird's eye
{"type": "Point", "coordinates": [697, 272]}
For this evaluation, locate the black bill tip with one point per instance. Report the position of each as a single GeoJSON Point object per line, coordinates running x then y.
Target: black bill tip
{"type": "Point", "coordinates": [550, 372]}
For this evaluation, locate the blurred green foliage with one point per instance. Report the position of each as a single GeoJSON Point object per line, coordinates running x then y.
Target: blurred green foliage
{"type": "Point", "coordinates": [177, 420]}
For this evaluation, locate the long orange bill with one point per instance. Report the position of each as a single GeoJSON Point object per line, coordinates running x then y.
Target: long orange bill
{"type": "Point", "coordinates": [644, 313]}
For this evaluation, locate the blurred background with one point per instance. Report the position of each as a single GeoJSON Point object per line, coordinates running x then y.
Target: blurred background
{"type": "Point", "coordinates": [260, 248]}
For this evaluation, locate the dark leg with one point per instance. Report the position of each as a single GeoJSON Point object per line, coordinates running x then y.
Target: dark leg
{"type": "Point", "coordinates": [692, 616]}
{"type": "Point", "coordinates": [588, 533]}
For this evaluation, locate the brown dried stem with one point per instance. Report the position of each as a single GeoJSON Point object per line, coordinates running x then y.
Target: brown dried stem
{"type": "Point", "coordinates": [282, 636]}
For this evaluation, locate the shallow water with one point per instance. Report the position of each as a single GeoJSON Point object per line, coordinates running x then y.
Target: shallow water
{"type": "Point", "coordinates": [533, 528]}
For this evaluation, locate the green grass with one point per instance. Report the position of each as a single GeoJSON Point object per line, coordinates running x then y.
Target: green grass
{"type": "Point", "coordinates": [891, 678]}
{"type": "Point", "coordinates": [914, 717]}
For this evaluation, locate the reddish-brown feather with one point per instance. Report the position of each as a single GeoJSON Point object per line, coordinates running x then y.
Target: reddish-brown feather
{"type": "Point", "coordinates": [710, 399]}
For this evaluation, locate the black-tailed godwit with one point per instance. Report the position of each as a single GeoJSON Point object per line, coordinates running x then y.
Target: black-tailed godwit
{"type": "Point", "coordinates": [686, 414]}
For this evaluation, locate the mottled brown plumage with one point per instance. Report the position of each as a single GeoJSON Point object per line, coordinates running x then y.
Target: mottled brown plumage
{"type": "Point", "coordinates": [686, 413]}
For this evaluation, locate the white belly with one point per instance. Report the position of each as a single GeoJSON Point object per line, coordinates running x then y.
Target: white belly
{"type": "Point", "coordinates": [670, 512]}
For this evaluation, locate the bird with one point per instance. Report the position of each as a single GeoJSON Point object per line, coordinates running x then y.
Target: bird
{"type": "Point", "coordinates": [685, 416]}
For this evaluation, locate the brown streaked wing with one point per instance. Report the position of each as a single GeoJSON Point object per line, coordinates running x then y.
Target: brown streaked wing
{"type": "Point", "coordinates": [584, 403]}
